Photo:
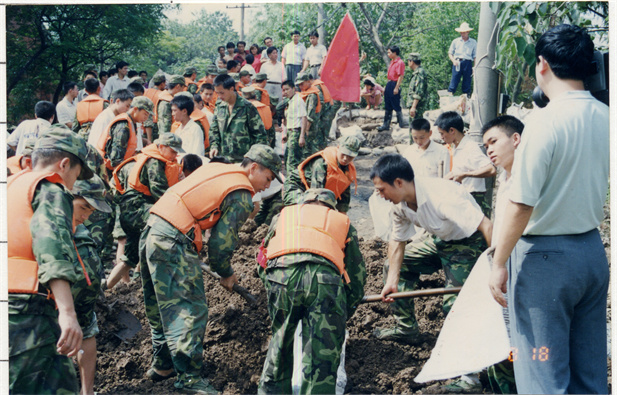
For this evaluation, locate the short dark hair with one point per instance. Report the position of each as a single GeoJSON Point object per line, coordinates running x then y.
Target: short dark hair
{"type": "Point", "coordinates": [219, 47]}
{"type": "Point", "coordinates": [191, 162]}
{"type": "Point", "coordinates": [568, 49]}
{"type": "Point", "coordinates": [417, 61]}
{"type": "Point", "coordinates": [289, 83]}
{"type": "Point", "coordinates": [506, 123]}
{"type": "Point", "coordinates": [450, 119]}
{"type": "Point", "coordinates": [390, 167]}
{"type": "Point", "coordinates": [45, 109]}
{"type": "Point", "coordinates": [48, 156]}
{"type": "Point", "coordinates": [231, 64]}
{"type": "Point", "coordinates": [205, 86]}
{"type": "Point", "coordinates": [183, 103]}
{"type": "Point", "coordinates": [270, 50]}
{"type": "Point", "coordinates": [395, 49]}
{"type": "Point", "coordinates": [103, 73]}
{"type": "Point", "coordinates": [91, 85]}
{"type": "Point", "coordinates": [314, 34]}
{"type": "Point", "coordinates": [132, 73]}
{"type": "Point", "coordinates": [113, 71]}
{"type": "Point", "coordinates": [121, 64]}
{"type": "Point", "coordinates": [420, 124]}
{"type": "Point", "coordinates": [90, 72]}
{"type": "Point", "coordinates": [135, 87]}
{"type": "Point", "coordinates": [241, 42]}
{"type": "Point", "coordinates": [368, 82]}
{"type": "Point", "coordinates": [197, 98]}
{"type": "Point", "coordinates": [172, 85]}
{"type": "Point", "coordinates": [225, 81]}
{"type": "Point", "coordinates": [122, 94]}
{"type": "Point", "coordinates": [69, 85]}
{"type": "Point", "coordinates": [143, 71]}
{"type": "Point", "coordinates": [231, 45]}
{"type": "Point", "coordinates": [249, 58]}
{"type": "Point", "coordinates": [267, 38]}
{"type": "Point", "coordinates": [295, 32]}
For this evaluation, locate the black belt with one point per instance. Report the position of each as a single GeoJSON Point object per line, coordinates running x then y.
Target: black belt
{"type": "Point", "coordinates": [273, 82]}
{"type": "Point", "coordinates": [316, 65]}
{"type": "Point", "coordinates": [463, 59]}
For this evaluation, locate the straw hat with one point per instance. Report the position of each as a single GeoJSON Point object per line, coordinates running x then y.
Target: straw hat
{"type": "Point", "coordinates": [464, 28]}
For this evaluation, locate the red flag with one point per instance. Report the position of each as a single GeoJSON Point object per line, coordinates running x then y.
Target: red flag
{"type": "Point", "coordinates": [341, 70]}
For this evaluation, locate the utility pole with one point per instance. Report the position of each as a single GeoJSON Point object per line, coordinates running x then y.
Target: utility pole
{"type": "Point", "coordinates": [241, 7]}
{"type": "Point", "coordinates": [321, 29]}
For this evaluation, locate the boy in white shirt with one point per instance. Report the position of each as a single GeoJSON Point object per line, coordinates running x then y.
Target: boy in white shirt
{"type": "Point", "coordinates": [191, 134]}
{"type": "Point", "coordinates": [427, 158]}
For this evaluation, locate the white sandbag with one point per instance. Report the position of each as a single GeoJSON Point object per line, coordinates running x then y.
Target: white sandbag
{"type": "Point", "coordinates": [353, 130]}
{"type": "Point", "coordinates": [474, 333]}
{"type": "Point", "coordinates": [400, 135]}
{"type": "Point", "coordinates": [380, 213]}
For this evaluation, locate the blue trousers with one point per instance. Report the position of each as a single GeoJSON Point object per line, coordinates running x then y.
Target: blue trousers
{"type": "Point", "coordinates": [557, 292]}
{"type": "Point", "coordinates": [292, 71]}
{"type": "Point", "coordinates": [465, 71]}
{"type": "Point", "coordinates": [392, 101]}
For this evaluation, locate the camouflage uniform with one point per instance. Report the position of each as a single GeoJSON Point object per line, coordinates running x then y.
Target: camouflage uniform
{"type": "Point", "coordinates": [173, 285]}
{"type": "Point", "coordinates": [165, 120]}
{"type": "Point", "coordinates": [417, 90]}
{"type": "Point", "coordinates": [84, 130]}
{"type": "Point", "coordinates": [307, 289]}
{"type": "Point", "coordinates": [234, 134]}
{"type": "Point", "coordinates": [315, 138]}
{"type": "Point", "coordinates": [269, 208]}
{"type": "Point", "coordinates": [325, 118]}
{"type": "Point", "coordinates": [116, 145]}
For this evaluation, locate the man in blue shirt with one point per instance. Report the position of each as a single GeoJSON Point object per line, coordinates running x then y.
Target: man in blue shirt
{"type": "Point", "coordinates": [462, 54]}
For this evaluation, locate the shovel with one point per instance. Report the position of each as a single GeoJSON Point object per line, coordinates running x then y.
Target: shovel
{"type": "Point", "coordinates": [412, 294]}
{"type": "Point", "coordinates": [130, 322]}
{"type": "Point", "coordinates": [237, 288]}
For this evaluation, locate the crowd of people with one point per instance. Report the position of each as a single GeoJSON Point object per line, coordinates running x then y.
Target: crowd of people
{"type": "Point", "coordinates": [165, 166]}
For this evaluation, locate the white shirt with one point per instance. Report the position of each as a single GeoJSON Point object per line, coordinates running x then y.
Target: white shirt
{"type": "Point", "coordinates": [468, 156]}
{"type": "Point", "coordinates": [276, 73]}
{"type": "Point", "coordinates": [463, 49]}
{"type": "Point", "coordinates": [294, 54]}
{"type": "Point", "coordinates": [264, 55]}
{"type": "Point", "coordinates": [315, 54]}
{"type": "Point", "coordinates": [561, 167]}
{"type": "Point", "coordinates": [445, 210]}
{"type": "Point", "coordinates": [432, 162]}
{"type": "Point", "coordinates": [250, 69]}
{"type": "Point", "coordinates": [503, 196]}
{"type": "Point", "coordinates": [31, 128]}
{"type": "Point", "coordinates": [100, 123]}
{"type": "Point", "coordinates": [66, 111]}
{"type": "Point", "coordinates": [192, 138]}
{"type": "Point", "coordinates": [113, 84]}
{"type": "Point", "coordinates": [296, 109]}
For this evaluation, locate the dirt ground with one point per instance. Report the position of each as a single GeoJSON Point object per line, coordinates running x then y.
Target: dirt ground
{"type": "Point", "coordinates": [237, 334]}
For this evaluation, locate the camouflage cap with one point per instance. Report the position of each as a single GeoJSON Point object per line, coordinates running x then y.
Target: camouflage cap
{"type": "Point", "coordinates": [212, 70]}
{"type": "Point", "coordinates": [265, 156]}
{"type": "Point", "coordinates": [184, 93]}
{"type": "Point", "coordinates": [158, 78]}
{"type": "Point", "coordinates": [282, 104]}
{"type": "Point", "coordinates": [62, 138]}
{"type": "Point", "coordinates": [414, 57]}
{"type": "Point", "coordinates": [177, 79]}
{"type": "Point", "coordinates": [302, 77]}
{"type": "Point", "coordinates": [222, 71]}
{"type": "Point", "coordinates": [261, 77]}
{"type": "Point", "coordinates": [322, 195]}
{"type": "Point", "coordinates": [190, 70]}
{"type": "Point", "coordinates": [171, 140]}
{"type": "Point", "coordinates": [94, 191]}
{"type": "Point", "coordinates": [28, 146]}
{"type": "Point", "coordinates": [349, 145]}
{"type": "Point", "coordinates": [244, 73]}
{"type": "Point", "coordinates": [235, 76]}
{"type": "Point", "coordinates": [248, 89]}
{"type": "Point", "coordinates": [143, 103]}
{"type": "Point", "coordinates": [136, 79]}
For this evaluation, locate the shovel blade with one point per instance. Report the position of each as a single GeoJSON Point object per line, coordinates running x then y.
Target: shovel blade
{"type": "Point", "coordinates": [131, 325]}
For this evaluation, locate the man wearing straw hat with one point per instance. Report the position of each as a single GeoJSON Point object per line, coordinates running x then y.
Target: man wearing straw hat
{"type": "Point", "coordinates": [462, 53]}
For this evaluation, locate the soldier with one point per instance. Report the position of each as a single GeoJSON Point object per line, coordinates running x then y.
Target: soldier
{"type": "Point", "coordinates": [245, 79]}
{"type": "Point", "coordinates": [190, 73]}
{"type": "Point", "coordinates": [89, 196]}
{"type": "Point", "coordinates": [41, 263]}
{"type": "Point", "coordinates": [331, 168]}
{"type": "Point", "coordinates": [264, 112]}
{"type": "Point", "coordinates": [310, 95]}
{"type": "Point", "coordinates": [209, 96]}
{"type": "Point", "coordinates": [211, 73]}
{"type": "Point", "coordinates": [416, 95]}
{"type": "Point", "coordinates": [175, 84]}
{"type": "Point", "coordinates": [89, 108]}
{"type": "Point", "coordinates": [216, 196]}
{"type": "Point", "coordinates": [315, 277]}
{"type": "Point", "coordinates": [236, 125]}
{"type": "Point", "coordinates": [22, 161]}
{"type": "Point", "coordinates": [140, 181]}
{"type": "Point", "coordinates": [327, 115]}
{"type": "Point", "coordinates": [150, 126]}
{"type": "Point", "coordinates": [261, 93]}
{"type": "Point", "coordinates": [119, 140]}
{"type": "Point", "coordinates": [458, 229]}
{"type": "Point", "coordinates": [296, 126]}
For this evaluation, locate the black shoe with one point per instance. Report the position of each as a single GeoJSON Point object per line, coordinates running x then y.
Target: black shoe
{"type": "Point", "coordinates": [386, 122]}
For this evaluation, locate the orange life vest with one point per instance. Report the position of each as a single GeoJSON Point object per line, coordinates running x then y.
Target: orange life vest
{"type": "Point", "coordinates": [201, 81]}
{"type": "Point", "coordinates": [195, 202]}
{"type": "Point", "coordinates": [14, 164]}
{"type": "Point", "coordinates": [336, 180]}
{"type": "Point", "coordinates": [89, 108]}
{"type": "Point", "coordinates": [264, 113]}
{"type": "Point", "coordinates": [172, 170]}
{"type": "Point", "coordinates": [212, 103]}
{"type": "Point", "coordinates": [131, 146]}
{"type": "Point", "coordinates": [311, 228]}
{"type": "Point", "coordinates": [327, 97]}
{"type": "Point", "coordinates": [153, 94]}
{"type": "Point", "coordinates": [265, 96]}
{"type": "Point", "coordinates": [304, 95]}
{"type": "Point", "coordinates": [200, 117]}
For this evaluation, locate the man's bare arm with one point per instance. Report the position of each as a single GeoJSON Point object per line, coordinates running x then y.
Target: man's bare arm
{"type": "Point", "coordinates": [396, 252]}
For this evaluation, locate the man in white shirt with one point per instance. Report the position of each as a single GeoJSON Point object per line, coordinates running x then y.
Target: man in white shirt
{"type": "Point", "coordinates": [293, 56]}
{"type": "Point", "coordinates": [189, 131]}
{"type": "Point", "coordinates": [469, 164]}
{"type": "Point", "coordinates": [427, 158]}
{"type": "Point", "coordinates": [44, 113]}
{"type": "Point", "coordinates": [67, 108]}
{"type": "Point", "coordinates": [276, 73]}
{"type": "Point", "coordinates": [296, 122]}
{"type": "Point", "coordinates": [120, 103]}
{"type": "Point", "coordinates": [315, 56]}
{"type": "Point", "coordinates": [82, 93]}
{"type": "Point", "coordinates": [459, 233]}
{"type": "Point", "coordinates": [264, 54]}
{"type": "Point", "coordinates": [120, 81]}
